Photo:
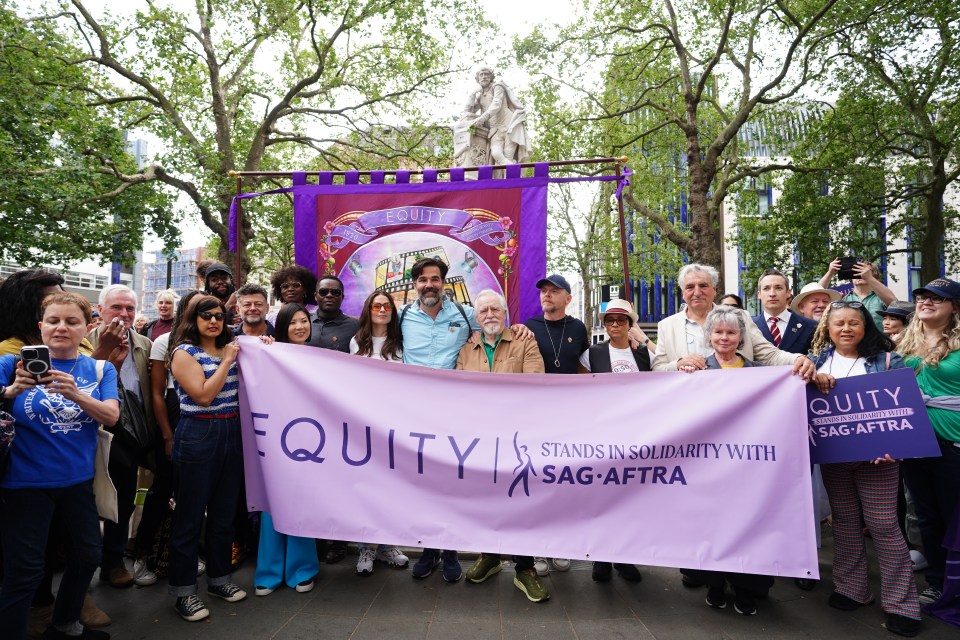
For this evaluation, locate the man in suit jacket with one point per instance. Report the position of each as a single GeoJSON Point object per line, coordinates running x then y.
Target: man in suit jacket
{"type": "Point", "coordinates": [680, 338]}
{"type": "Point", "coordinates": [787, 330]}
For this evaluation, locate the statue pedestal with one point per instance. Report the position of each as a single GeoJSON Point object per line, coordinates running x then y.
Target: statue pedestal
{"type": "Point", "coordinates": [471, 149]}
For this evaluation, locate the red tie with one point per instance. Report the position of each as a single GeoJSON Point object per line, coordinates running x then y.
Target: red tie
{"type": "Point", "coordinates": [774, 331]}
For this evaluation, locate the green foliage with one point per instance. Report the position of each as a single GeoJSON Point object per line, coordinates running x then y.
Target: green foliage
{"type": "Point", "coordinates": [881, 156]}
{"type": "Point", "coordinates": [258, 85]}
{"type": "Point", "coordinates": [62, 196]}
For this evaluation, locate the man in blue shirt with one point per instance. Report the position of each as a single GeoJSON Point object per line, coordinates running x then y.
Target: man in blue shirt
{"type": "Point", "coordinates": [434, 330]}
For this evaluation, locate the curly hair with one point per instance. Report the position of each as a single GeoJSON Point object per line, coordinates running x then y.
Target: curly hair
{"type": "Point", "coordinates": [20, 297]}
{"type": "Point", "coordinates": [393, 347]}
{"type": "Point", "coordinates": [873, 342]}
{"type": "Point", "coordinates": [295, 272]}
{"type": "Point", "coordinates": [914, 343]}
{"type": "Point", "coordinates": [281, 330]}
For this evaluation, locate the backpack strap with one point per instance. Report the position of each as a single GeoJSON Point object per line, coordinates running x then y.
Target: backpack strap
{"type": "Point", "coordinates": [888, 362]}
{"type": "Point", "coordinates": [403, 314]}
{"type": "Point", "coordinates": [100, 365]}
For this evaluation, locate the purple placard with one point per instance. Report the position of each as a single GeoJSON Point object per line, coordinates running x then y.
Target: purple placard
{"type": "Point", "coordinates": [866, 417]}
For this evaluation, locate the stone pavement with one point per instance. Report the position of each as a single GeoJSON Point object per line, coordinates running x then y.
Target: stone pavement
{"type": "Point", "coordinates": [390, 604]}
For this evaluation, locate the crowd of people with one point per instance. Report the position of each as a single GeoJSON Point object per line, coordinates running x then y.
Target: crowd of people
{"type": "Point", "coordinates": [113, 378]}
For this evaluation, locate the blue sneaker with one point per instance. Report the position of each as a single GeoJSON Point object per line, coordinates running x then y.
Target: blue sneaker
{"type": "Point", "coordinates": [428, 561]}
{"type": "Point", "coordinates": [452, 571]}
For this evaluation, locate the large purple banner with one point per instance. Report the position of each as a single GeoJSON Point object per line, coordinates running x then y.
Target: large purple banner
{"type": "Point", "coordinates": [866, 417]}
{"type": "Point", "coordinates": [708, 471]}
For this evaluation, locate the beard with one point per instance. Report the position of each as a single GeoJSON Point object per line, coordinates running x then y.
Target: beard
{"type": "Point", "coordinates": [430, 297]}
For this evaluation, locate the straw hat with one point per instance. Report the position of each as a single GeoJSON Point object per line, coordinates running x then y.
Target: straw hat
{"type": "Point", "coordinates": [809, 289]}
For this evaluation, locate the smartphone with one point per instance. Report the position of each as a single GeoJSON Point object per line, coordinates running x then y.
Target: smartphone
{"type": "Point", "coordinates": [36, 360]}
{"type": "Point", "coordinates": [846, 267]}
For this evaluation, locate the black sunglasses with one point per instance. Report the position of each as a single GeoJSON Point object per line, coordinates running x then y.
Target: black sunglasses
{"type": "Point", "coordinates": [207, 315]}
{"type": "Point", "coordinates": [336, 293]}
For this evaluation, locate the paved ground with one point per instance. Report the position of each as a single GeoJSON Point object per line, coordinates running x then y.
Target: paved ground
{"type": "Point", "coordinates": [390, 604]}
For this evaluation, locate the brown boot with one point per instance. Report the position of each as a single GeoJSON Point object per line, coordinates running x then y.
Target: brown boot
{"type": "Point", "coordinates": [119, 577]}
{"type": "Point", "coordinates": [91, 615]}
{"type": "Point", "coordinates": [40, 619]}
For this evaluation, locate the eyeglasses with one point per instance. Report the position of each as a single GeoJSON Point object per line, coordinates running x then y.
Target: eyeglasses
{"type": "Point", "coordinates": [926, 297]}
{"type": "Point", "coordinates": [288, 286]}
{"type": "Point", "coordinates": [336, 293]}
{"type": "Point", "coordinates": [381, 306]}
{"type": "Point", "coordinates": [616, 320]}
{"type": "Point", "coordinates": [207, 315]}
{"type": "Point", "coordinates": [842, 304]}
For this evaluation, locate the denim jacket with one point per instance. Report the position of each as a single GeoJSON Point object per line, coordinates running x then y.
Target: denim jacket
{"type": "Point", "coordinates": [874, 364]}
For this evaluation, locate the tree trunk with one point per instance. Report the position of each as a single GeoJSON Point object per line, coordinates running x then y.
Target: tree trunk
{"type": "Point", "coordinates": [931, 240]}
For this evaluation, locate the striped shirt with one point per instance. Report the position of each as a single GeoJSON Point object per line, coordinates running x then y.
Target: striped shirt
{"type": "Point", "coordinates": [226, 401]}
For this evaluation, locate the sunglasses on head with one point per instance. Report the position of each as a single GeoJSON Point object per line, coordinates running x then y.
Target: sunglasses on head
{"type": "Point", "coordinates": [336, 293]}
{"type": "Point", "coordinates": [852, 304]}
{"type": "Point", "coordinates": [208, 315]}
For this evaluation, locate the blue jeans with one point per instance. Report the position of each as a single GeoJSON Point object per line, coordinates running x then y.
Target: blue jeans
{"type": "Point", "coordinates": [934, 485]}
{"type": "Point", "coordinates": [26, 516]}
{"type": "Point", "coordinates": [208, 469]}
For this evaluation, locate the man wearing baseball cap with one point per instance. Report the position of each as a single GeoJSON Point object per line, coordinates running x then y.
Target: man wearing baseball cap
{"type": "Point", "coordinates": [561, 339]}
{"type": "Point", "coordinates": [813, 300]}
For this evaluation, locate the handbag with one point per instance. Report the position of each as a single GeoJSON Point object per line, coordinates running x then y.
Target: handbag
{"type": "Point", "coordinates": [132, 436]}
{"type": "Point", "coordinates": [103, 489]}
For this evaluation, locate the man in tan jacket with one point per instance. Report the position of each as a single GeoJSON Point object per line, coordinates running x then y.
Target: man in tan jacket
{"type": "Point", "coordinates": [497, 351]}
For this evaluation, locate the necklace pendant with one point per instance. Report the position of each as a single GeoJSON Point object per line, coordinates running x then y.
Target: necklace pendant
{"type": "Point", "coordinates": [556, 363]}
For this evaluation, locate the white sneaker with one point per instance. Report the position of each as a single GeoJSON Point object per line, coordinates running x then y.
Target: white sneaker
{"type": "Point", "coordinates": [262, 591]}
{"type": "Point", "coordinates": [393, 557]}
{"type": "Point", "coordinates": [919, 561]}
{"type": "Point", "coordinates": [365, 561]}
{"type": "Point", "coordinates": [543, 569]}
{"type": "Point", "coordinates": [560, 564]}
{"type": "Point", "coordinates": [201, 567]}
{"type": "Point", "coordinates": [142, 576]}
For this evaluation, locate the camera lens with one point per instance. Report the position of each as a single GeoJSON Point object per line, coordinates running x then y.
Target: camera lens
{"type": "Point", "coordinates": [36, 367]}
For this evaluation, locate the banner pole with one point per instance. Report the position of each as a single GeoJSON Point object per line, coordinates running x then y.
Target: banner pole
{"type": "Point", "coordinates": [236, 279]}
{"type": "Point", "coordinates": [623, 244]}
{"type": "Point", "coordinates": [526, 165]}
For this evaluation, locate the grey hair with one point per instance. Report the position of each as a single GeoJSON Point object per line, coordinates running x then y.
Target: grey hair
{"type": "Point", "coordinates": [726, 316]}
{"type": "Point", "coordinates": [695, 267]}
{"type": "Point", "coordinates": [486, 293]}
{"type": "Point", "coordinates": [114, 288]}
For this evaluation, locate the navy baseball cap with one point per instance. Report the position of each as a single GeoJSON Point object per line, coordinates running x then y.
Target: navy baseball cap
{"type": "Point", "coordinates": [556, 280]}
{"type": "Point", "coordinates": [943, 287]}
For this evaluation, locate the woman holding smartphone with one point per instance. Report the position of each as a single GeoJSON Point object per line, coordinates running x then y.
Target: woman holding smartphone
{"type": "Point", "coordinates": [207, 455]}
{"type": "Point", "coordinates": [49, 477]}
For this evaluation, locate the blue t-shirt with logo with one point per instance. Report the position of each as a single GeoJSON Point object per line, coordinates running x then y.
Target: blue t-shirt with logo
{"type": "Point", "coordinates": [55, 442]}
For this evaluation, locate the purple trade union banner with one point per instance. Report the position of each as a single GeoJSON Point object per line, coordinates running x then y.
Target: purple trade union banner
{"type": "Point", "coordinates": [865, 417]}
{"type": "Point", "coordinates": [702, 471]}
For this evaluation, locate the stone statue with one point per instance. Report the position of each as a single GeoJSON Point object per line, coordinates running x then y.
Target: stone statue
{"type": "Point", "coordinates": [492, 129]}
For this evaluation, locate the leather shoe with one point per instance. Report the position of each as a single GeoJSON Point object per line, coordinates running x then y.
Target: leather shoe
{"type": "Point", "coordinates": [118, 577]}
{"type": "Point", "coordinates": [91, 615]}
{"type": "Point", "coordinates": [807, 584]}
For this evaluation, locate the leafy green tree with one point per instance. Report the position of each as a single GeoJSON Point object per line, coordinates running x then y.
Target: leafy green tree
{"type": "Point", "coordinates": [682, 79]}
{"type": "Point", "coordinates": [65, 177]}
{"type": "Point", "coordinates": [884, 152]}
{"type": "Point", "coordinates": [231, 86]}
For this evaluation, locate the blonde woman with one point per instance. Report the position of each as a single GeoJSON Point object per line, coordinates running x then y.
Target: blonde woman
{"type": "Point", "coordinates": [931, 346]}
